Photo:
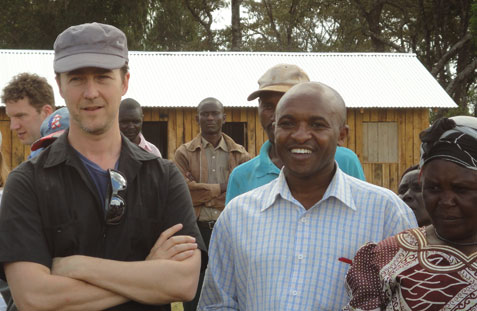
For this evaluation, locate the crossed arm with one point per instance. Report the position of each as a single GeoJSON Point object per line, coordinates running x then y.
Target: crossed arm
{"type": "Point", "coordinates": [169, 273]}
{"type": "Point", "coordinates": [201, 193]}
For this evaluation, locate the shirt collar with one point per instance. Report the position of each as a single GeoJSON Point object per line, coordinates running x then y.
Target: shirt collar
{"type": "Point", "coordinates": [142, 141]}
{"type": "Point", "coordinates": [338, 188]}
{"type": "Point", "coordinates": [274, 192]}
{"type": "Point", "coordinates": [130, 160]}
{"type": "Point", "coordinates": [222, 145]}
{"type": "Point", "coordinates": [266, 165]}
{"type": "Point", "coordinates": [59, 151]}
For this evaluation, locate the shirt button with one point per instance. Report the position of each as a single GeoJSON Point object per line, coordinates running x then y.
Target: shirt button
{"type": "Point", "coordinates": [216, 212]}
{"type": "Point", "coordinates": [294, 293]}
{"type": "Point", "coordinates": [213, 157]}
{"type": "Point", "coordinates": [304, 220]}
{"type": "Point", "coordinates": [301, 256]}
{"type": "Point", "coordinates": [213, 170]}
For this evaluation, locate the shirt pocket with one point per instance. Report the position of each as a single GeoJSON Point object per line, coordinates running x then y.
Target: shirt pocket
{"type": "Point", "coordinates": [63, 239]}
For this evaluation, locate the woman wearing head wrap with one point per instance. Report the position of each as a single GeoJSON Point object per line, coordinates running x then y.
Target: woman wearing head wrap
{"type": "Point", "coordinates": [433, 267]}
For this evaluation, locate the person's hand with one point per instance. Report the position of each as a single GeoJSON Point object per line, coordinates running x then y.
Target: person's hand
{"type": "Point", "coordinates": [223, 187]}
{"type": "Point", "coordinates": [172, 247]}
{"type": "Point", "coordinates": [189, 176]}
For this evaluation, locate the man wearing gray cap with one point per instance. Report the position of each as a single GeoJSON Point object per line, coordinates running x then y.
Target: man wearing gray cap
{"type": "Point", "coordinates": [91, 223]}
{"type": "Point", "coordinates": [266, 166]}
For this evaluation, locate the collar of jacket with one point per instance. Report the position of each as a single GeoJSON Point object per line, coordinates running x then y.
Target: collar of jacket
{"type": "Point", "coordinates": [131, 159]}
{"type": "Point", "coordinates": [196, 143]}
{"type": "Point", "coordinates": [58, 155]}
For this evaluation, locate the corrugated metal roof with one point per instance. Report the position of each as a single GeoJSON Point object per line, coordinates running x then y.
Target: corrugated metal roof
{"type": "Point", "coordinates": [183, 79]}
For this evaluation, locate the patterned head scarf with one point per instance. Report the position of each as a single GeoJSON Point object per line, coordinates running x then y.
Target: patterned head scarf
{"type": "Point", "coordinates": [451, 139]}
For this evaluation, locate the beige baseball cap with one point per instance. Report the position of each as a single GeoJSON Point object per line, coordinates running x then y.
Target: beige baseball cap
{"type": "Point", "coordinates": [279, 78]}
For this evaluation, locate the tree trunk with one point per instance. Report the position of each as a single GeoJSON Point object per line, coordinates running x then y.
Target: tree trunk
{"type": "Point", "coordinates": [236, 31]}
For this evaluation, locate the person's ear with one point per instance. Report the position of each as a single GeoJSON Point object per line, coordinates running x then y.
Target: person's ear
{"type": "Point", "coordinates": [125, 83]}
{"type": "Point", "coordinates": [344, 130]}
{"type": "Point", "coordinates": [58, 81]}
{"type": "Point", "coordinates": [46, 110]}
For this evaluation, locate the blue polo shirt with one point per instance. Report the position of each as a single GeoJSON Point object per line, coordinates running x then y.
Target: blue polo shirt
{"type": "Point", "coordinates": [261, 170]}
{"type": "Point", "coordinates": [252, 174]}
{"type": "Point", "coordinates": [349, 163]}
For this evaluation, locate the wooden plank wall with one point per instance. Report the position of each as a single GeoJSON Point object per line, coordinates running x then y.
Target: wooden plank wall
{"type": "Point", "coordinates": [410, 123]}
{"type": "Point", "coordinates": [182, 127]}
{"type": "Point", "coordinates": [380, 142]}
{"type": "Point", "coordinates": [14, 152]}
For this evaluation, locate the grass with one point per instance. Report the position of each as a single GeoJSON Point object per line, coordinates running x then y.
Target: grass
{"type": "Point", "coordinates": [177, 306]}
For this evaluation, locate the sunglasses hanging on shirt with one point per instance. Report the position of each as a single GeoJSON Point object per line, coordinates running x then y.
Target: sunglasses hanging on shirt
{"type": "Point", "coordinates": [115, 205]}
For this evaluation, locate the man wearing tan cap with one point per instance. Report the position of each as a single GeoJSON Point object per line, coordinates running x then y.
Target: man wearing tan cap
{"type": "Point", "coordinates": [266, 166]}
{"type": "Point", "coordinates": [90, 223]}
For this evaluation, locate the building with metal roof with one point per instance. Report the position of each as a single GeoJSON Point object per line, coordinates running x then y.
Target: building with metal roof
{"type": "Point", "coordinates": [388, 98]}
{"type": "Point", "coordinates": [183, 79]}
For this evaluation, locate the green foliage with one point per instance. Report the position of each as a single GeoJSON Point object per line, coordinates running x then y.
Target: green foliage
{"type": "Point", "coordinates": [148, 24]}
{"type": "Point", "coordinates": [473, 24]}
{"type": "Point", "coordinates": [442, 33]}
{"type": "Point", "coordinates": [34, 24]}
{"type": "Point", "coordinates": [439, 113]}
{"type": "Point", "coordinates": [171, 28]}
{"type": "Point", "coordinates": [281, 25]}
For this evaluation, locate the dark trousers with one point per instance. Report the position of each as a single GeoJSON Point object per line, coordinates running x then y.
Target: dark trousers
{"type": "Point", "coordinates": [205, 228]}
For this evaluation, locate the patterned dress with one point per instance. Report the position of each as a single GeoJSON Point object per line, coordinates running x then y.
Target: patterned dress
{"type": "Point", "coordinates": [404, 273]}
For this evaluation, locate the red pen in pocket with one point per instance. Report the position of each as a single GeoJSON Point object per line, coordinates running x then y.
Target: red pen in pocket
{"type": "Point", "coordinates": [345, 260]}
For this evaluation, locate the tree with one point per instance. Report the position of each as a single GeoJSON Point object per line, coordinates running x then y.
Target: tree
{"type": "Point", "coordinates": [236, 32]}
{"type": "Point", "coordinates": [148, 25]}
{"type": "Point", "coordinates": [438, 31]}
{"type": "Point", "coordinates": [172, 28]}
{"type": "Point", "coordinates": [35, 24]}
{"type": "Point", "coordinates": [275, 25]}
{"type": "Point", "coordinates": [201, 11]}
{"type": "Point", "coordinates": [443, 33]}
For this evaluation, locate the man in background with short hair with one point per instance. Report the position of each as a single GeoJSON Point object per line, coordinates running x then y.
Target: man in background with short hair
{"type": "Point", "coordinates": [28, 100]}
{"type": "Point", "coordinates": [130, 124]}
{"type": "Point", "coordinates": [206, 162]}
{"type": "Point", "coordinates": [265, 167]}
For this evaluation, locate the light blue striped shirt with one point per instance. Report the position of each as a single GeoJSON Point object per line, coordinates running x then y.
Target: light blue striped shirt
{"type": "Point", "coordinates": [268, 252]}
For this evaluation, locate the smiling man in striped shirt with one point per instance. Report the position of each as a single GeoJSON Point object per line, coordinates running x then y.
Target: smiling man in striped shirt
{"type": "Point", "coordinates": [285, 245]}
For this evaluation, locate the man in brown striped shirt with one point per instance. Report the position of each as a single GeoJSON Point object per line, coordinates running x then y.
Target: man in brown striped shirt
{"type": "Point", "coordinates": [206, 162]}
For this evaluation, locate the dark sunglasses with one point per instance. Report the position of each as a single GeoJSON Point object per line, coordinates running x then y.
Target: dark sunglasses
{"type": "Point", "coordinates": [115, 204]}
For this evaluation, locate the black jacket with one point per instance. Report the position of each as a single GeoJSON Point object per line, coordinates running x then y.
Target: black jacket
{"type": "Point", "coordinates": [51, 208]}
